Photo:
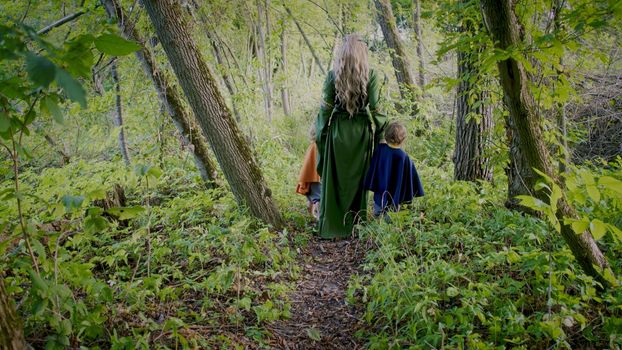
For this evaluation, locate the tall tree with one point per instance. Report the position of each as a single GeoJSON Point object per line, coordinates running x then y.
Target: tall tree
{"type": "Point", "coordinates": [262, 50]}
{"type": "Point", "coordinates": [233, 153]}
{"type": "Point", "coordinates": [316, 58]}
{"type": "Point", "coordinates": [170, 98]}
{"type": "Point", "coordinates": [284, 69]}
{"type": "Point", "coordinates": [210, 33]}
{"type": "Point", "coordinates": [11, 332]}
{"type": "Point", "coordinates": [526, 124]}
{"type": "Point", "coordinates": [399, 59]}
{"type": "Point", "coordinates": [473, 107]}
{"type": "Point", "coordinates": [118, 115]}
{"type": "Point", "coordinates": [419, 37]}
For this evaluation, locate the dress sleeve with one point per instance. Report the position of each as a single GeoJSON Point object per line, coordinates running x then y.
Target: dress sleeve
{"type": "Point", "coordinates": [323, 117]}
{"type": "Point", "coordinates": [373, 96]}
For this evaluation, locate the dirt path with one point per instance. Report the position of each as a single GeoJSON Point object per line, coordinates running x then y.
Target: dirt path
{"type": "Point", "coordinates": [321, 319]}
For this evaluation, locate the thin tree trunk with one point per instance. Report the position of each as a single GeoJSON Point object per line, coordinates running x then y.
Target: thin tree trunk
{"type": "Point", "coordinates": [284, 68]}
{"type": "Point", "coordinates": [233, 153]}
{"type": "Point", "coordinates": [473, 126]}
{"type": "Point", "coordinates": [307, 41]}
{"type": "Point", "coordinates": [399, 59]}
{"type": "Point", "coordinates": [11, 332]}
{"type": "Point", "coordinates": [265, 68]}
{"type": "Point", "coordinates": [561, 110]}
{"type": "Point", "coordinates": [118, 116]}
{"type": "Point", "coordinates": [218, 54]}
{"type": "Point", "coordinates": [419, 37]}
{"type": "Point", "coordinates": [183, 120]}
{"type": "Point", "coordinates": [61, 152]}
{"type": "Point", "coordinates": [526, 123]}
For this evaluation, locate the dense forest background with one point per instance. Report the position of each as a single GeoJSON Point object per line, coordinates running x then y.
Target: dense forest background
{"type": "Point", "coordinates": [150, 152]}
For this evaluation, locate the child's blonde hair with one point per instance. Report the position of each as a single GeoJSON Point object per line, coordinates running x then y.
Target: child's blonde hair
{"type": "Point", "coordinates": [395, 133]}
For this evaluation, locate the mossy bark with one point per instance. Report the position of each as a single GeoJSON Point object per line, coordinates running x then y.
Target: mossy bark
{"type": "Point", "coordinates": [525, 125]}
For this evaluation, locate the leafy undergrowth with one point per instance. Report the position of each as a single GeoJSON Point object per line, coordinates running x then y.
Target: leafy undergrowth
{"type": "Point", "coordinates": [176, 266]}
{"type": "Point", "coordinates": [458, 270]}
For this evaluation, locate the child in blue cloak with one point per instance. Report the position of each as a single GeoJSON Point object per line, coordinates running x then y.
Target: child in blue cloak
{"type": "Point", "coordinates": [392, 176]}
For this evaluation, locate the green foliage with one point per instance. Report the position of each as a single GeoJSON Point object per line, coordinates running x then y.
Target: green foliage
{"type": "Point", "coordinates": [210, 264]}
{"type": "Point", "coordinates": [458, 270]}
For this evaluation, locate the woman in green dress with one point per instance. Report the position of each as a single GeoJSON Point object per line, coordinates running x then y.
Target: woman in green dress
{"type": "Point", "coordinates": [348, 127]}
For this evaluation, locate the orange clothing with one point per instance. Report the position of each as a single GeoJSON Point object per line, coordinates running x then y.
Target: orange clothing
{"type": "Point", "coordinates": [308, 174]}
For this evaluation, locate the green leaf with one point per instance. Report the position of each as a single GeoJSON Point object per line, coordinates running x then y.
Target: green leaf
{"type": "Point", "coordinates": [72, 87]}
{"type": "Point", "coordinates": [115, 45]}
{"type": "Point", "coordinates": [5, 122]}
{"type": "Point", "coordinates": [598, 229]}
{"type": "Point", "coordinates": [532, 203]}
{"type": "Point", "coordinates": [50, 104]}
{"type": "Point", "coordinates": [41, 70]}
{"type": "Point", "coordinates": [37, 282]}
{"type": "Point", "coordinates": [72, 202]}
{"type": "Point", "coordinates": [579, 226]}
{"type": "Point", "coordinates": [611, 183]}
{"type": "Point", "coordinates": [314, 334]}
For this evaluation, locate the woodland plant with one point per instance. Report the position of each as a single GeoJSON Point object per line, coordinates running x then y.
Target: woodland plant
{"type": "Point", "coordinates": [461, 271]}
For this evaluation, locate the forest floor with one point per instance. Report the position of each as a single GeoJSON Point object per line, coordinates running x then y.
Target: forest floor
{"type": "Point", "coordinates": [320, 317]}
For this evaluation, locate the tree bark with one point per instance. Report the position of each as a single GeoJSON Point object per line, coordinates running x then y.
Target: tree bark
{"type": "Point", "coordinates": [561, 108]}
{"type": "Point", "coordinates": [526, 124]}
{"type": "Point", "coordinates": [284, 68]}
{"type": "Point", "coordinates": [183, 120]}
{"type": "Point", "coordinates": [233, 153]}
{"type": "Point", "coordinates": [307, 41]}
{"type": "Point", "coordinates": [11, 332]}
{"type": "Point", "coordinates": [118, 115]}
{"type": "Point", "coordinates": [473, 126]}
{"type": "Point", "coordinates": [419, 37]}
{"type": "Point", "coordinates": [399, 59]}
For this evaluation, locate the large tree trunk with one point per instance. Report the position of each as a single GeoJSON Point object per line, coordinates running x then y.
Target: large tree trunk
{"type": "Point", "coordinates": [419, 37]}
{"type": "Point", "coordinates": [183, 120]}
{"type": "Point", "coordinates": [118, 115]}
{"type": "Point", "coordinates": [284, 87]}
{"type": "Point", "coordinates": [233, 153]}
{"type": "Point", "coordinates": [399, 59]}
{"type": "Point", "coordinates": [526, 124]}
{"type": "Point", "coordinates": [307, 41]}
{"type": "Point", "coordinates": [473, 126]}
{"type": "Point", "coordinates": [11, 332]}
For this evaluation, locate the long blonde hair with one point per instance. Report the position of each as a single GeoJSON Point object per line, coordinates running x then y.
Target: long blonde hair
{"type": "Point", "coordinates": [351, 73]}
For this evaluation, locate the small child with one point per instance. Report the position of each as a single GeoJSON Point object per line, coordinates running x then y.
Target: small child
{"type": "Point", "coordinates": [309, 179]}
{"type": "Point", "coordinates": [392, 176]}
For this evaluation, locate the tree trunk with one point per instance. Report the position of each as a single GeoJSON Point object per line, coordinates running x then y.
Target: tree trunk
{"type": "Point", "coordinates": [61, 152]}
{"type": "Point", "coordinates": [11, 332]}
{"type": "Point", "coordinates": [265, 69]}
{"type": "Point", "coordinates": [526, 124]}
{"type": "Point", "coordinates": [419, 37]}
{"type": "Point", "coordinates": [118, 116]}
{"type": "Point", "coordinates": [233, 153]}
{"type": "Point", "coordinates": [561, 109]}
{"type": "Point", "coordinates": [473, 126]}
{"type": "Point", "coordinates": [401, 64]}
{"type": "Point", "coordinates": [284, 88]}
{"type": "Point", "coordinates": [183, 120]}
{"type": "Point", "coordinates": [307, 41]}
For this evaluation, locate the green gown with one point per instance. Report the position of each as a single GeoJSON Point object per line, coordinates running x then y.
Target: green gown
{"type": "Point", "coordinates": [345, 146]}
